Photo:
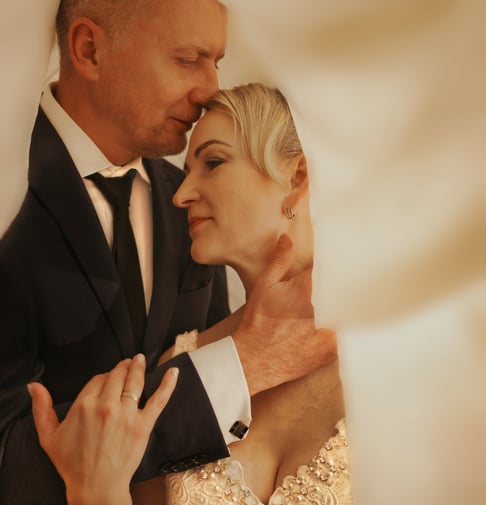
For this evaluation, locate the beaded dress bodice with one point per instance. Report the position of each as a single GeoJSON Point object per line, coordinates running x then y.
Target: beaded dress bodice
{"type": "Point", "coordinates": [323, 481]}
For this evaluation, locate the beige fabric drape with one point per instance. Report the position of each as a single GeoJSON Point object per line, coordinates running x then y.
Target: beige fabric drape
{"type": "Point", "coordinates": [390, 103]}
{"type": "Point", "coordinates": [27, 35]}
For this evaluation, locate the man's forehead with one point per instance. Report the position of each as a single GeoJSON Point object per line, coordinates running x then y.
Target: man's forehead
{"type": "Point", "coordinates": [200, 16]}
{"type": "Point", "coordinates": [195, 34]}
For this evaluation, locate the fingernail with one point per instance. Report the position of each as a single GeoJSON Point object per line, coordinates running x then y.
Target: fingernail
{"type": "Point", "coordinates": [29, 390]}
{"type": "Point", "coordinates": [140, 357]}
{"type": "Point", "coordinates": [174, 372]}
{"type": "Point", "coordinates": [284, 241]}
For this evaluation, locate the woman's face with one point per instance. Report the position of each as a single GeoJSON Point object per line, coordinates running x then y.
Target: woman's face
{"type": "Point", "coordinates": [234, 210]}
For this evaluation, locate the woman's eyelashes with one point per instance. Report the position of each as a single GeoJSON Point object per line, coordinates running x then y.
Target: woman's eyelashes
{"type": "Point", "coordinates": [208, 164]}
{"type": "Point", "coordinates": [214, 162]}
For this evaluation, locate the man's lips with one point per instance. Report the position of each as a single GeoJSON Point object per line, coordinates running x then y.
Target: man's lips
{"type": "Point", "coordinates": [196, 221]}
{"type": "Point", "coordinates": [187, 122]}
{"type": "Point", "coordinates": [187, 125]}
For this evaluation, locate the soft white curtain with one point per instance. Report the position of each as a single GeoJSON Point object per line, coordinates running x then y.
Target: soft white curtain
{"type": "Point", "coordinates": [389, 100]}
{"type": "Point", "coordinates": [26, 36]}
{"type": "Point", "coordinates": [390, 103]}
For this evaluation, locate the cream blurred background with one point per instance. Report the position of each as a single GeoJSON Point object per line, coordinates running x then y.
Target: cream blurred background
{"type": "Point", "coordinates": [390, 103]}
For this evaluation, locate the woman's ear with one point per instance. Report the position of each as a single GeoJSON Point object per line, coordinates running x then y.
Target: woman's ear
{"type": "Point", "coordinates": [299, 180]}
{"type": "Point", "coordinates": [84, 39]}
{"type": "Point", "coordinates": [299, 187]}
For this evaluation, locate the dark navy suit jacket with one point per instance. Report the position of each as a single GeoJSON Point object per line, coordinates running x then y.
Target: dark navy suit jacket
{"type": "Point", "coordinates": [63, 316]}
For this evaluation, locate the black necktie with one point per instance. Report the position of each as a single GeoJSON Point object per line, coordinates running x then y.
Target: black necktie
{"type": "Point", "coordinates": [117, 192]}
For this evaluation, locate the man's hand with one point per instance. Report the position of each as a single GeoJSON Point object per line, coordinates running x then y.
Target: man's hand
{"type": "Point", "coordinates": [100, 444]}
{"type": "Point", "coordinates": [276, 338]}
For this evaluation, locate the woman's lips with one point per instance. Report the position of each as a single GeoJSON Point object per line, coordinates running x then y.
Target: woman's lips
{"type": "Point", "coordinates": [196, 221]}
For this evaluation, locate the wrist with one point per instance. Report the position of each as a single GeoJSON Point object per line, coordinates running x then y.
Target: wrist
{"type": "Point", "coordinates": [255, 373]}
{"type": "Point", "coordinates": [107, 495]}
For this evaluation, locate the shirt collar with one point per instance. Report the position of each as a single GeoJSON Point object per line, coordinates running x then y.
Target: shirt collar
{"type": "Point", "coordinates": [85, 153]}
{"type": "Point", "coordinates": [117, 171]}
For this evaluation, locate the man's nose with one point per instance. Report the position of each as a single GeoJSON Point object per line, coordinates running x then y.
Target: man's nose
{"type": "Point", "coordinates": [207, 88]}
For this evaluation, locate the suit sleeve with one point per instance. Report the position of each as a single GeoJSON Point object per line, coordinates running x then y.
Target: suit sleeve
{"type": "Point", "coordinates": [187, 432]}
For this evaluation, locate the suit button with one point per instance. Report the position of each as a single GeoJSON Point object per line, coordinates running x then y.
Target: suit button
{"type": "Point", "coordinates": [184, 464]}
{"type": "Point", "coordinates": [180, 466]}
{"type": "Point", "coordinates": [167, 467]}
{"type": "Point", "coordinates": [200, 459]}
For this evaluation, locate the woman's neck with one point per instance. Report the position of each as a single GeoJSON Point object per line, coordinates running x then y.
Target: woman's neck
{"type": "Point", "coordinates": [249, 273]}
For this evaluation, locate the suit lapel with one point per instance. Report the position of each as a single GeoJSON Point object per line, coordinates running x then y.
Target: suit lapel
{"type": "Point", "coordinates": [55, 181]}
{"type": "Point", "coordinates": [166, 260]}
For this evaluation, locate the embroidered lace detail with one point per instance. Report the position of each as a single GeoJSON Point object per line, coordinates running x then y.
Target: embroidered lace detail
{"type": "Point", "coordinates": [219, 483]}
{"type": "Point", "coordinates": [325, 481]}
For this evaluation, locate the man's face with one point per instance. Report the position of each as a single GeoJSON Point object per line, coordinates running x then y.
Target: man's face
{"type": "Point", "coordinates": [153, 83]}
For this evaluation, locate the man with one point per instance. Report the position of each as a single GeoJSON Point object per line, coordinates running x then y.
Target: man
{"type": "Point", "coordinates": [134, 76]}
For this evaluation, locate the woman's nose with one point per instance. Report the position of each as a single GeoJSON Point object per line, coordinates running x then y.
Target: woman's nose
{"type": "Point", "coordinates": [186, 194]}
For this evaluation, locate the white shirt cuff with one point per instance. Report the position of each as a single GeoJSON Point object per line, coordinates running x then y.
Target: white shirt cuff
{"type": "Point", "coordinates": [221, 373]}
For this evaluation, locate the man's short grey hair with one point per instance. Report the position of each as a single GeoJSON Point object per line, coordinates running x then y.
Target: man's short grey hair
{"type": "Point", "coordinates": [114, 16]}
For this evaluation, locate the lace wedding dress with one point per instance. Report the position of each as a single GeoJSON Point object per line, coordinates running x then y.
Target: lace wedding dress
{"type": "Point", "coordinates": [323, 481]}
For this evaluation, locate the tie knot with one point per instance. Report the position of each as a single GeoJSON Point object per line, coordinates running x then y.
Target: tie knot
{"type": "Point", "coordinates": [115, 189]}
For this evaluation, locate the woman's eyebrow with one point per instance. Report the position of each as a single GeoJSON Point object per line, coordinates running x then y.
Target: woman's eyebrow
{"type": "Point", "coordinates": [203, 146]}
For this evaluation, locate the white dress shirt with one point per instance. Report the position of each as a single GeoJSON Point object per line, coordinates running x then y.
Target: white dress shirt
{"type": "Point", "coordinates": [218, 365]}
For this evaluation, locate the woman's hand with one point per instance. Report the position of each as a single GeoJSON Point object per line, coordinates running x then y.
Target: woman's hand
{"type": "Point", "coordinates": [100, 444]}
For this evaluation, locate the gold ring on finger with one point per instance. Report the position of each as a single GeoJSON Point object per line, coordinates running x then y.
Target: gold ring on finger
{"type": "Point", "coordinates": [129, 394]}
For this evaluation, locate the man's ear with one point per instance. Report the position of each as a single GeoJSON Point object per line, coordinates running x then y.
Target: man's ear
{"type": "Point", "coordinates": [84, 39]}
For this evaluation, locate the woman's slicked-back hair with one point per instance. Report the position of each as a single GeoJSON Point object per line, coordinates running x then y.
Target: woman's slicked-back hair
{"type": "Point", "coordinates": [263, 123]}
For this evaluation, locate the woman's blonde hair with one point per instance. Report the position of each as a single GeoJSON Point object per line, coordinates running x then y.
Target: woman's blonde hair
{"type": "Point", "coordinates": [263, 124]}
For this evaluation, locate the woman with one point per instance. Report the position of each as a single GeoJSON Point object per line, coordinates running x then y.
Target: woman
{"type": "Point", "coordinates": [246, 185]}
